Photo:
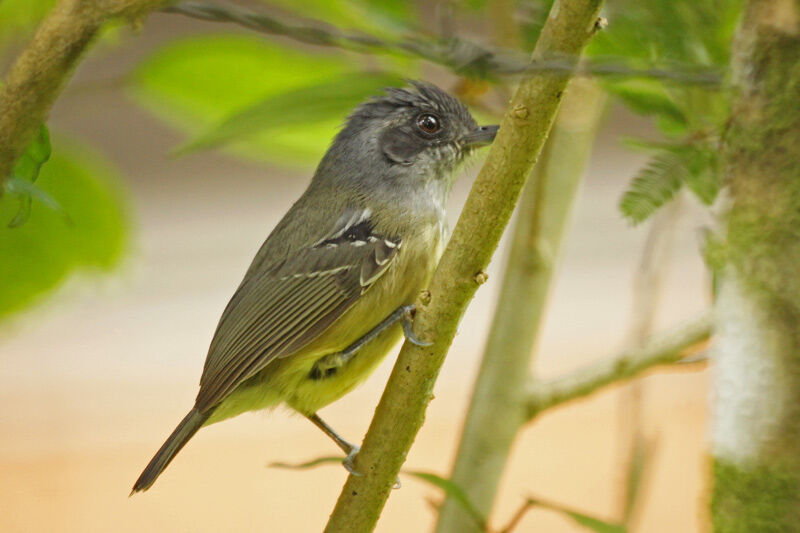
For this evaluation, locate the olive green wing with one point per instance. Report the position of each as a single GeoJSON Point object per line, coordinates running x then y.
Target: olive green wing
{"type": "Point", "coordinates": [277, 312]}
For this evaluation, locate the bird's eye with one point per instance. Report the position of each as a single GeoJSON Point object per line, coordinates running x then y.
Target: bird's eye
{"type": "Point", "coordinates": [429, 123]}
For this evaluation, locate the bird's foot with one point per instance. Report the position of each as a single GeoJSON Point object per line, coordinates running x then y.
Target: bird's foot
{"type": "Point", "coordinates": [348, 462]}
{"type": "Point", "coordinates": [408, 330]}
{"type": "Point", "coordinates": [349, 465]}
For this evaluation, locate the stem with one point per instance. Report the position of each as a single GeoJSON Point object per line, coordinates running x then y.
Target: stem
{"type": "Point", "coordinates": [39, 74]}
{"type": "Point", "coordinates": [756, 426]}
{"type": "Point", "coordinates": [666, 348]}
{"type": "Point", "coordinates": [647, 288]}
{"type": "Point", "coordinates": [503, 379]}
{"type": "Point", "coordinates": [401, 411]}
{"type": "Point", "coordinates": [465, 57]}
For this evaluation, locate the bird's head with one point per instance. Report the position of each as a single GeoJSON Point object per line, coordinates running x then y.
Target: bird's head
{"type": "Point", "coordinates": [407, 136]}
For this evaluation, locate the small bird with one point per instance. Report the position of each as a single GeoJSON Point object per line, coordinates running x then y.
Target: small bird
{"type": "Point", "coordinates": [332, 288]}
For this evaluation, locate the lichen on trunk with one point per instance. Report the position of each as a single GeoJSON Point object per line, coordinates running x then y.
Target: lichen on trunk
{"type": "Point", "coordinates": [756, 427]}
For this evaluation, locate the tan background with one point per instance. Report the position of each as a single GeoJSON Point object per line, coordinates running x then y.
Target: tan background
{"type": "Point", "coordinates": [92, 382]}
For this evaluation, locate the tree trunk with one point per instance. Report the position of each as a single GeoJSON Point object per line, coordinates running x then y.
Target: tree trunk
{"type": "Point", "coordinates": [756, 426]}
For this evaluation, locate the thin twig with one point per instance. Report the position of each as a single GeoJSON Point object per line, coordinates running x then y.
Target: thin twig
{"type": "Point", "coordinates": [518, 516]}
{"type": "Point", "coordinates": [647, 288]}
{"type": "Point", "coordinates": [463, 56]}
{"type": "Point", "coordinates": [662, 349]}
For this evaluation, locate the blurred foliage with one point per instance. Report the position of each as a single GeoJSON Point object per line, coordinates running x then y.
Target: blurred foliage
{"type": "Point", "coordinates": [589, 522]}
{"type": "Point", "coordinates": [60, 212]}
{"type": "Point", "coordinates": [693, 164]}
{"type": "Point", "coordinates": [24, 174]}
{"type": "Point", "coordinates": [315, 104]}
{"type": "Point", "coordinates": [18, 17]}
{"type": "Point", "coordinates": [690, 118]}
{"type": "Point", "coordinates": [269, 98]}
{"type": "Point", "coordinates": [40, 253]}
{"type": "Point", "coordinates": [366, 15]}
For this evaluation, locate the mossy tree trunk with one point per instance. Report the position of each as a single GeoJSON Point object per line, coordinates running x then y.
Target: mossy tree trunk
{"type": "Point", "coordinates": [756, 427]}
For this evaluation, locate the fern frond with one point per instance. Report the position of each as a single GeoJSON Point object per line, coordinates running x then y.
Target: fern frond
{"type": "Point", "coordinates": [653, 186]}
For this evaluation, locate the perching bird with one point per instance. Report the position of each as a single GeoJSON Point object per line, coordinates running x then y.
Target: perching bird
{"type": "Point", "coordinates": [331, 290]}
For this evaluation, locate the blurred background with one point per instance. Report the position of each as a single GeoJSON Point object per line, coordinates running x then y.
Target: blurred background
{"type": "Point", "coordinates": [96, 374]}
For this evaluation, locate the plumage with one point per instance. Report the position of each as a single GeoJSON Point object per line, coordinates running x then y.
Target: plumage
{"type": "Point", "coordinates": [359, 244]}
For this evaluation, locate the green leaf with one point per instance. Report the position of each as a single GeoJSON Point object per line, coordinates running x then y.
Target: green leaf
{"type": "Point", "coordinates": [319, 103]}
{"type": "Point", "coordinates": [673, 165]}
{"type": "Point", "coordinates": [197, 83]}
{"type": "Point", "coordinates": [454, 491]}
{"type": "Point", "coordinates": [27, 169]}
{"type": "Point", "coordinates": [589, 522]}
{"type": "Point", "coordinates": [39, 255]}
{"type": "Point", "coordinates": [648, 97]}
{"type": "Point", "coordinates": [366, 15]}
{"type": "Point", "coordinates": [653, 187]}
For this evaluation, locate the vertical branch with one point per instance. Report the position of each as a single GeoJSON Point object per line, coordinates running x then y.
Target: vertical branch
{"type": "Point", "coordinates": [502, 384]}
{"type": "Point", "coordinates": [756, 424]}
{"type": "Point", "coordinates": [401, 411]}
{"type": "Point", "coordinates": [647, 285]}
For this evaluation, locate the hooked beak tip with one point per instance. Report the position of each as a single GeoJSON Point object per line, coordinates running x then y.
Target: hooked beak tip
{"type": "Point", "coordinates": [482, 136]}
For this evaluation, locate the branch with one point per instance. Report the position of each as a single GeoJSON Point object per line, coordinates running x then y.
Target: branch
{"type": "Point", "coordinates": [40, 72]}
{"type": "Point", "coordinates": [464, 57]}
{"type": "Point", "coordinates": [666, 348]}
{"type": "Point", "coordinates": [401, 411]}
{"type": "Point", "coordinates": [535, 246]}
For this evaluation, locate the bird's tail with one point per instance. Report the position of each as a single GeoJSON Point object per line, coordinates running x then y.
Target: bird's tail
{"type": "Point", "coordinates": [185, 431]}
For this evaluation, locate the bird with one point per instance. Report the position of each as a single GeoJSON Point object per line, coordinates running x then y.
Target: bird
{"type": "Point", "coordinates": [331, 290]}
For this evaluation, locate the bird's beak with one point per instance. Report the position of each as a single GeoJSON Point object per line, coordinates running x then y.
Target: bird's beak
{"type": "Point", "coordinates": [481, 136]}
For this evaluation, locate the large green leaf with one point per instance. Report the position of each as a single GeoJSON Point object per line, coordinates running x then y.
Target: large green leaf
{"type": "Point", "coordinates": [315, 104]}
{"type": "Point", "coordinates": [197, 83]}
{"type": "Point", "coordinates": [40, 254]}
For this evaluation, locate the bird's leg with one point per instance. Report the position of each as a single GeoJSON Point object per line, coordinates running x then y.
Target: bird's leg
{"type": "Point", "coordinates": [328, 364]}
{"type": "Point", "coordinates": [347, 447]}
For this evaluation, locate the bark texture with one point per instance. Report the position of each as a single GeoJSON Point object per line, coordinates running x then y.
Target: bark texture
{"type": "Point", "coordinates": [756, 428]}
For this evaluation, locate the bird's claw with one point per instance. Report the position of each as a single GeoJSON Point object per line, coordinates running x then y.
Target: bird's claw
{"type": "Point", "coordinates": [408, 330]}
{"type": "Point", "coordinates": [348, 462]}
{"type": "Point", "coordinates": [349, 465]}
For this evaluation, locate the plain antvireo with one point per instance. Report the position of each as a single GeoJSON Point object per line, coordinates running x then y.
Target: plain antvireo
{"type": "Point", "coordinates": [331, 290]}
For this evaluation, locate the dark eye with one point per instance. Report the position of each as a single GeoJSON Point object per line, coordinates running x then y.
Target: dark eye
{"type": "Point", "coordinates": [429, 123]}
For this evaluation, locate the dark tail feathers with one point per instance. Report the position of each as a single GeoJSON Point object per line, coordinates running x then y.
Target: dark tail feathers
{"type": "Point", "coordinates": [185, 431]}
